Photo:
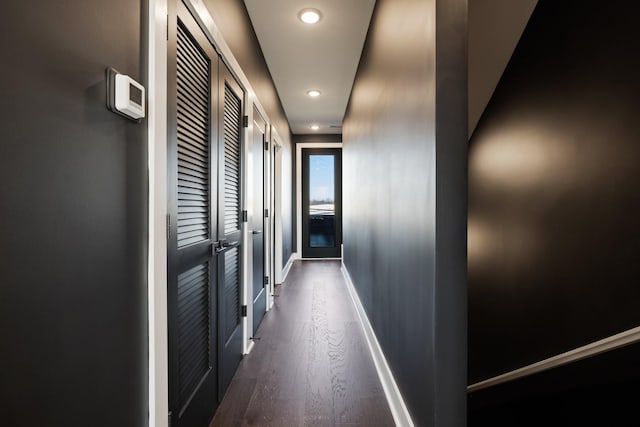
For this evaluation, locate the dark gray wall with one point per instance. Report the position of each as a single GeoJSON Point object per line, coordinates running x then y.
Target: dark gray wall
{"type": "Point", "coordinates": [405, 151]}
{"type": "Point", "coordinates": [554, 242]}
{"type": "Point", "coordinates": [73, 191]}
{"type": "Point", "coordinates": [234, 23]}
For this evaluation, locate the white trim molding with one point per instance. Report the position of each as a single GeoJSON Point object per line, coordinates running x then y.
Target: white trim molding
{"type": "Point", "coordinates": [276, 208]}
{"type": "Point", "coordinates": [287, 268]}
{"type": "Point", "coordinates": [610, 343]}
{"type": "Point", "coordinates": [157, 237]}
{"type": "Point", "coordinates": [396, 403]}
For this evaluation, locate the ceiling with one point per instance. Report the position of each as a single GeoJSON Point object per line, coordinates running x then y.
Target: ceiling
{"type": "Point", "coordinates": [322, 56]}
{"type": "Point", "coordinates": [325, 56]}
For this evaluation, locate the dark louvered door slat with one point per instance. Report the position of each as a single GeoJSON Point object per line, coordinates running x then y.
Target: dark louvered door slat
{"type": "Point", "coordinates": [193, 328]}
{"type": "Point", "coordinates": [192, 266]}
{"type": "Point", "coordinates": [232, 292]}
{"type": "Point", "coordinates": [232, 120]}
{"type": "Point", "coordinates": [229, 223]}
{"type": "Point", "coordinates": [193, 118]}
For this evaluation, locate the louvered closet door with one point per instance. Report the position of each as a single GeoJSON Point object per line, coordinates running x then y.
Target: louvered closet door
{"type": "Point", "coordinates": [192, 160]}
{"type": "Point", "coordinates": [229, 224]}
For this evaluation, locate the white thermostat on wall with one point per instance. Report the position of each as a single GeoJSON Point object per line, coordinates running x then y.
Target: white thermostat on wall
{"type": "Point", "coordinates": [125, 96]}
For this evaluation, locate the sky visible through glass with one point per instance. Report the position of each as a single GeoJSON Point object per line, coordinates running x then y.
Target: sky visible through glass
{"type": "Point", "coordinates": [321, 178]}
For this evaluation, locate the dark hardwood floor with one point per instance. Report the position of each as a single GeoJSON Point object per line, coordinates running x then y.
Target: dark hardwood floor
{"type": "Point", "coordinates": [311, 366]}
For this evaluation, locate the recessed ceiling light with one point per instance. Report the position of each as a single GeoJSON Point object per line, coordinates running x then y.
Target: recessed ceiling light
{"type": "Point", "coordinates": [309, 16]}
{"type": "Point", "coordinates": [313, 93]}
{"type": "Point", "coordinates": [315, 127]}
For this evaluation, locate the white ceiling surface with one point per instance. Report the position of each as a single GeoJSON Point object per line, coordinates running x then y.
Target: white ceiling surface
{"type": "Point", "coordinates": [323, 56]}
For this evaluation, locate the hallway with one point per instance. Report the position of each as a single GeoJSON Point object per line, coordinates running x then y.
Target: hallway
{"type": "Point", "coordinates": [310, 365]}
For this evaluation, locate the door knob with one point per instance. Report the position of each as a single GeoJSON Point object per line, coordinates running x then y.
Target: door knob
{"type": "Point", "coordinates": [223, 245]}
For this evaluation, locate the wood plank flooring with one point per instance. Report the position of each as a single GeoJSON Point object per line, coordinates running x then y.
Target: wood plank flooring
{"type": "Point", "coordinates": [311, 365]}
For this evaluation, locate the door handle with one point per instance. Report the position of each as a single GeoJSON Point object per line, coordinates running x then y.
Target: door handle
{"type": "Point", "coordinates": [256, 232]}
{"type": "Point", "coordinates": [223, 245]}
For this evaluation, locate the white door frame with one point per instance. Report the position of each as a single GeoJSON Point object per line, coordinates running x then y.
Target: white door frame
{"type": "Point", "coordinates": [268, 256]}
{"type": "Point", "coordinates": [299, 148]}
{"type": "Point", "coordinates": [157, 244]}
{"type": "Point", "coordinates": [276, 209]}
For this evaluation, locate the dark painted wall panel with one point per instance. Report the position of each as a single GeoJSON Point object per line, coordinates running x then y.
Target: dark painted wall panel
{"type": "Point", "coordinates": [554, 242]}
{"type": "Point", "coordinates": [234, 23]}
{"type": "Point", "coordinates": [404, 148]}
{"type": "Point", "coordinates": [73, 191]}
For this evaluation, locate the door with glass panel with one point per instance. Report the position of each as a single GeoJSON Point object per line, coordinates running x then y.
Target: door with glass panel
{"type": "Point", "coordinates": [321, 202]}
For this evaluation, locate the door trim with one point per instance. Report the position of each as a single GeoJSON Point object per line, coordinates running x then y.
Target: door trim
{"type": "Point", "coordinates": [156, 25]}
{"type": "Point", "coordinates": [299, 148]}
{"type": "Point", "coordinates": [276, 218]}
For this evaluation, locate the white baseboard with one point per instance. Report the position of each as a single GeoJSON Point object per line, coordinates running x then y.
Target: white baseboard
{"type": "Point", "coordinates": [394, 398]}
{"type": "Point", "coordinates": [249, 348]}
{"type": "Point", "coordinates": [287, 267]}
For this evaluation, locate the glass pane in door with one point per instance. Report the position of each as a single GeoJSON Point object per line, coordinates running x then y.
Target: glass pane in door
{"type": "Point", "coordinates": [322, 211]}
